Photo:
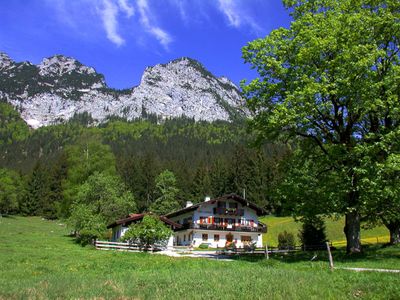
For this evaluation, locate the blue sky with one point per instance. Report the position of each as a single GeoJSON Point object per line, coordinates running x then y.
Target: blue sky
{"type": "Point", "coordinates": [120, 38]}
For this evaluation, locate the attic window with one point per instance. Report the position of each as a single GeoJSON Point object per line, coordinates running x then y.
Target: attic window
{"type": "Point", "coordinates": [221, 204]}
{"type": "Point", "coordinates": [233, 205]}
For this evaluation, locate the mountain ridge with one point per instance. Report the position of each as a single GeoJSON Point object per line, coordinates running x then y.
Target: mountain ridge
{"type": "Point", "coordinates": [59, 87]}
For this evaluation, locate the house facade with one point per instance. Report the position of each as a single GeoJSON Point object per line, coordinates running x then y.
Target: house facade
{"type": "Point", "coordinates": [218, 221]}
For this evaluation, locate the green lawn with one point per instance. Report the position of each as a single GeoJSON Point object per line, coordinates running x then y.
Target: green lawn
{"type": "Point", "coordinates": [334, 231]}
{"type": "Point", "coordinates": [39, 261]}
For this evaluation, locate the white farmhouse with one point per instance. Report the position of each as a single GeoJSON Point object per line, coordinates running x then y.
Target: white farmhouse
{"type": "Point", "coordinates": [218, 221]}
{"type": "Point", "coordinates": [215, 222]}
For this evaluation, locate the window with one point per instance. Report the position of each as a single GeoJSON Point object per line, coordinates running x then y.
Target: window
{"type": "Point", "coordinates": [205, 237]}
{"type": "Point", "coordinates": [184, 237]}
{"type": "Point", "coordinates": [233, 205]}
{"type": "Point", "coordinates": [221, 204]}
{"type": "Point", "coordinates": [245, 239]}
{"type": "Point", "coordinates": [216, 237]}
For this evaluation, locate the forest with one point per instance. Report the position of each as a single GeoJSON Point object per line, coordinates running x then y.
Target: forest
{"type": "Point", "coordinates": [121, 165]}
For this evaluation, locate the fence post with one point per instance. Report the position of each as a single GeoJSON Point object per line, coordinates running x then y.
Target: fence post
{"type": "Point", "coordinates": [330, 256]}
{"type": "Point", "coordinates": [266, 250]}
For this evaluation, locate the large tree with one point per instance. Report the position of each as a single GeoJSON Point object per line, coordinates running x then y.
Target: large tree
{"type": "Point", "coordinates": [167, 192]}
{"type": "Point", "coordinates": [332, 80]}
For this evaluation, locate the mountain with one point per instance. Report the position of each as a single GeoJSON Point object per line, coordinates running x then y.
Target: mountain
{"type": "Point", "coordinates": [60, 87]}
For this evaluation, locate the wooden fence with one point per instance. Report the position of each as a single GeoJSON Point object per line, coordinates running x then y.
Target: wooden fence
{"type": "Point", "coordinates": [105, 245]}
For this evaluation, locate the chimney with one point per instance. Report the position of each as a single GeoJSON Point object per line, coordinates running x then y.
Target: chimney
{"type": "Point", "coordinates": [207, 198]}
{"type": "Point", "coordinates": [189, 203]}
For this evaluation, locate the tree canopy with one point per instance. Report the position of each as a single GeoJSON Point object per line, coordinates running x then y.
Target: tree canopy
{"type": "Point", "coordinates": [150, 231]}
{"type": "Point", "coordinates": [330, 85]}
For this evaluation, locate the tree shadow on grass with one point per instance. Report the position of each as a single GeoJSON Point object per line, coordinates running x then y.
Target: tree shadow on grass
{"type": "Point", "coordinates": [370, 252]}
{"type": "Point", "coordinates": [10, 217]}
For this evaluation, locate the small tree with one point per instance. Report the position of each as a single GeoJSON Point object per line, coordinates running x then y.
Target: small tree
{"type": "Point", "coordinates": [312, 234]}
{"type": "Point", "coordinates": [86, 224]}
{"type": "Point", "coordinates": [286, 240]}
{"type": "Point", "coordinates": [10, 189]}
{"type": "Point", "coordinates": [148, 232]}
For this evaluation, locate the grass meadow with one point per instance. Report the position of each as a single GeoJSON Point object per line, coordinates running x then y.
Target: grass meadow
{"type": "Point", "coordinates": [334, 231]}
{"type": "Point", "coordinates": [39, 261]}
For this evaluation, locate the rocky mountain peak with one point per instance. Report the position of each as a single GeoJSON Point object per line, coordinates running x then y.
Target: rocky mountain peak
{"type": "Point", "coordinates": [5, 60]}
{"type": "Point", "coordinates": [59, 87]}
{"type": "Point", "coordinates": [60, 64]}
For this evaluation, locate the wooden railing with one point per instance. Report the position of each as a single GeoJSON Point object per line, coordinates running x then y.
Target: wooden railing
{"type": "Point", "coordinates": [228, 211]}
{"type": "Point", "coordinates": [259, 228]}
{"type": "Point", "coordinates": [105, 245]}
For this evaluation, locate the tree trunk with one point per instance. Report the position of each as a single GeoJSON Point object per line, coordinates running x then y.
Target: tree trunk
{"type": "Point", "coordinates": [352, 232]}
{"type": "Point", "coordinates": [394, 229]}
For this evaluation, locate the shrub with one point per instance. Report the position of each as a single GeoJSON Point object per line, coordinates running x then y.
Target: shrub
{"type": "Point", "coordinates": [230, 246]}
{"type": "Point", "coordinates": [312, 234]}
{"type": "Point", "coordinates": [203, 246]}
{"type": "Point", "coordinates": [286, 240]}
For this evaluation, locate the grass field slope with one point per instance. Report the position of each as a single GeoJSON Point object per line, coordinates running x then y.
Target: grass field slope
{"type": "Point", "coordinates": [334, 231]}
{"type": "Point", "coordinates": [39, 261]}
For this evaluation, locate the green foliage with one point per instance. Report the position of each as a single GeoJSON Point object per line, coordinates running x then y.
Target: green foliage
{"type": "Point", "coordinates": [149, 232]}
{"type": "Point", "coordinates": [286, 240]}
{"type": "Point", "coordinates": [312, 233]}
{"type": "Point", "coordinates": [330, 84]}
{"type": "Point", "coordinates": [86, 224]}
{"type": "Point", "coordinates": [99, 201]}
{"type": "Point", "coordinates": [11, 189]}
{"type": "Point", "coordinates": [206, 159]}
{"type": "Point", "coordinates": [106, 196]}
{"type": "Point", "coordinates": [12, 127]}
{"type": "Point", "coordinates": [83, 160]}
{"type": "Point", "coordinates": [167, 191]}
{"type": "Point", "coordinates": [203, 246]}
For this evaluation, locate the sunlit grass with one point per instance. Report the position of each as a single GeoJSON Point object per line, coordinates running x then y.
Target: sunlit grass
{"type": "Point", "coordinates": [334, 231]}
{"type": "Point", "coordinates": [39, 261]}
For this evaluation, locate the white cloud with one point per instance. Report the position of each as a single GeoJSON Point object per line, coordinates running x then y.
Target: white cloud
{"type": "Point", "coordinates": [126, 8]}
{"type": "Point", "coordinates": [236, 15]}
{"type": "Point", "coordinates": [145, 15]}
{"type": "Point", "coordinates": [109, 16]}
{"type": "Point", "coordinates": [228, 7]}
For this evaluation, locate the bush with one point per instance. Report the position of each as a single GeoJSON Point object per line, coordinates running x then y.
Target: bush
{"type": "Point", "coordinates": [286, 241]}
{"type": "Point", "coordinates": [312, 234]}
{"type": "Point", "coordinates": [230, 246]}
{"type": "Point", "coordinates": [203, 246]}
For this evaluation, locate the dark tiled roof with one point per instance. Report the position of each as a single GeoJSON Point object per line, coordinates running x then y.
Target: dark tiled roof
{"type": "Point", "coordinates": [260, 211]}
{"type": "Point", "coordinates": [136, 217]}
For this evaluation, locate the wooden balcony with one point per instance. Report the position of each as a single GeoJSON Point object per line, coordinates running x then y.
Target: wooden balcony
{"type": "Point", "coordinates": [261, 228]}
{"type": "Point", "coordinates": [228, 211]}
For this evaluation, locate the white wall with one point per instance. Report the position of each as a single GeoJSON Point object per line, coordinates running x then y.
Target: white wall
{"type": "Point", "coordinates": [198, 238]}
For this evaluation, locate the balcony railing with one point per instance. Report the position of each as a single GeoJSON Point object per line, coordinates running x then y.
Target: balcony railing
{"type": "Point", "coordinates": [260, 228]}
{"type": "Point", "coordinates": [228, 211]}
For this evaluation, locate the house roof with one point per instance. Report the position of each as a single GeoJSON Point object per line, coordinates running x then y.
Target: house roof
{"type": "Point", "coordinates": [136, 217]}
{"type": "Point", "coordinates": [260, 211]}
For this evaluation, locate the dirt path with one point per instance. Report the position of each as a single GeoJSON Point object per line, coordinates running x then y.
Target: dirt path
{"type": "Point", "coordinates": [368, 270]}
